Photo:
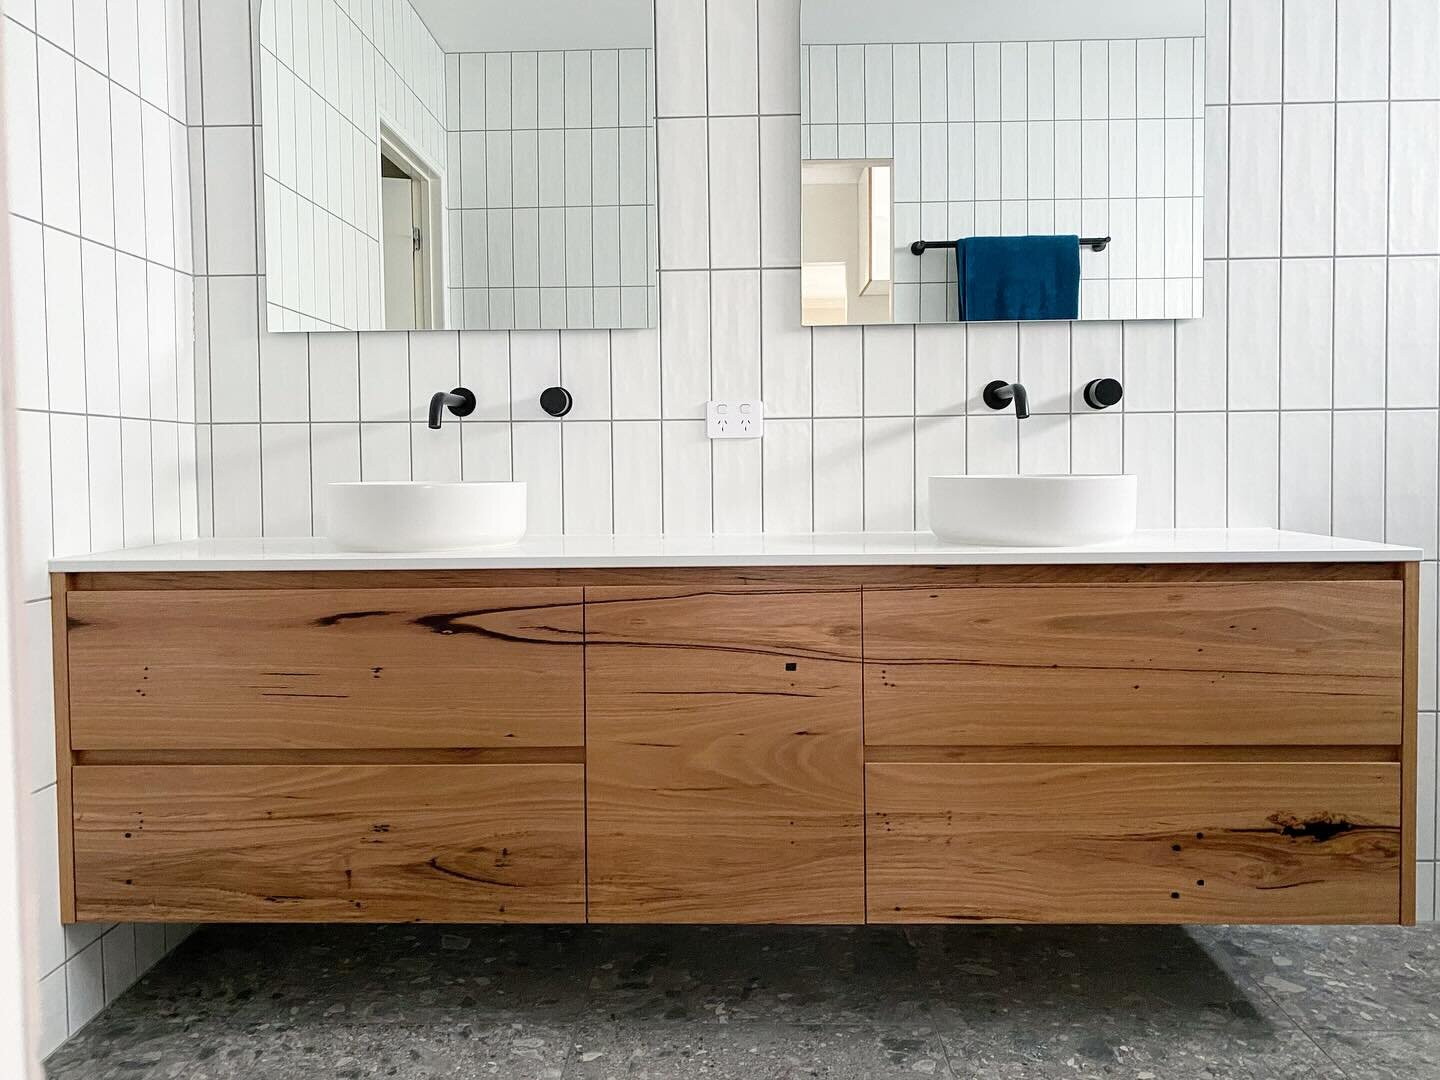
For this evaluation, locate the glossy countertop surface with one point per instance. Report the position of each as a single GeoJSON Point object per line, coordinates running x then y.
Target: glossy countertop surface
{"type": "Point", "coordinates": [818, 549]}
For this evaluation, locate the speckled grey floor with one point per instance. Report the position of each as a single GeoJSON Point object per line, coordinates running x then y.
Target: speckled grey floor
{"type": "Point", "coordinates": [1000, 1003]}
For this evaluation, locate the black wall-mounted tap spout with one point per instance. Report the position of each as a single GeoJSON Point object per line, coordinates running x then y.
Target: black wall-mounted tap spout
{"type": "Point", "coordinates": [459, 401]}
{"type": "Point", "coordinates": [999, 394]}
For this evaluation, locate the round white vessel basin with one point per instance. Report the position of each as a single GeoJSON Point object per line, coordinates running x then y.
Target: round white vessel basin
{"type": "Point", "coordinates": [1032, 511]}
{"type": "Point", "coordinates": [421, 516]}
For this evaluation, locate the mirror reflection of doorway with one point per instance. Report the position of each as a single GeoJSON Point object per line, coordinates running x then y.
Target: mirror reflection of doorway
{"type": "Point", "coordinates": [409, 236]}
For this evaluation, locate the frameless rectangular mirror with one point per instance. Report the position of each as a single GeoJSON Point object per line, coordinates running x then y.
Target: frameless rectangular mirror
{"type": "Point", "coordinates": [966, 161]}
{"type": "Point", "coordinates": [458, 164]}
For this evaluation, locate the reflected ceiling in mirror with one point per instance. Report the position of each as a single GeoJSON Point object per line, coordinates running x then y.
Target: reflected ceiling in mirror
{"type": "Point", "coordinates": [454, 164]}
{"type": "Point", "coordinates": [970, 161]}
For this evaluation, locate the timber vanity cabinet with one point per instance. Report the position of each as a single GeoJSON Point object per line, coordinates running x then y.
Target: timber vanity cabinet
{"type": "Point", "coordinates": [1151, 742]}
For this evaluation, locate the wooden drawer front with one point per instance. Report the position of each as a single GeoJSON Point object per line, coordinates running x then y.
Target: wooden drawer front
{"type": "Point", "coordinates": [1250, 663]}
{"type": "Point", "coordinates": [1122, 843]}
{"type": "Point", "coordinates": [349, 669]}
{"type": "Point", "coordinates": [305, 843]}
{"type": "Point", "coordinates": [724, 788]}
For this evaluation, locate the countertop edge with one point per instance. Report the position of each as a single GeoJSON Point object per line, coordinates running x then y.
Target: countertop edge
{"type": "Point", "coordinates": [698, 561]}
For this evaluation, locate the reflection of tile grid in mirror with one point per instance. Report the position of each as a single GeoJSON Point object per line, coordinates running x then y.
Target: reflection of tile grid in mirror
{"type": "Point", "coordinates": [321, 186]}
{"type": "Point", "coordinates": [1098, 138]}
{"type": "Point", "coordinates": [551, 200]}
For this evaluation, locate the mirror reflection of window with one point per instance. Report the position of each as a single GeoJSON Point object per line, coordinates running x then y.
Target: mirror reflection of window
{"type": "Point", "coordinates": [525, 134]}
{"type": "Point", "coordinates": [847, 267]}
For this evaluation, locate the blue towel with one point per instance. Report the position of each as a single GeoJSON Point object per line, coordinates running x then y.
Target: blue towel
{"type": "Point", "coordinates": [1018, 277]}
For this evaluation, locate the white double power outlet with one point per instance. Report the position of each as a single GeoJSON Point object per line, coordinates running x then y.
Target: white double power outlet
{"type": "Point", "coordinates": [735, 419]}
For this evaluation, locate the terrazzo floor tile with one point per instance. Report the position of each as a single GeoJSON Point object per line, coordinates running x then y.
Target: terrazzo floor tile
{"type": "Point", "coordinates": [362, 1052]}
{"type": "Point", "coordinates": [1175, 1051]}
{"type": "Point", "coordinates": [1352, 979]}
{"type": "Point", "coordinates": [1413, 1055]}
{"type": "Point", "coordinates": [758, 1051]}
{"type": "Point", "coordinates": [776, 1003]}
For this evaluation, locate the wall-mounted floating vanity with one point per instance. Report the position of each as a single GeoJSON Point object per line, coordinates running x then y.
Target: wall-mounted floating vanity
{"type": "Point", "coordinates": [1186, 727]}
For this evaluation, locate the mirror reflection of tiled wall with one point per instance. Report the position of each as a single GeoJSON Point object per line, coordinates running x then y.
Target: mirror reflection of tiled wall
{"type": "Point", "coordinates": [551, 194]}
{"type": "Point", "coordinates": [1097, 138]}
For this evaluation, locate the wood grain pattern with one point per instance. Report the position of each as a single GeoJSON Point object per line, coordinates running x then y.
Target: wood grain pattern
{"type": "Point", "coordinates": [59, 592]}
{"type": "Point", "coordinates": [1132, 843]}
{"type": "Point", "coordinates": [801, 577]}
{"type": "Point", "coordinates": [465, 843]}
{"type": "Point", "coordinates": [723, 787]}
{"type": "Point", "coordinates": [1315, 663]}
{"type": "Point", "coordinates": [327, 669]}
{"type": "Point", "coordinates": [1410, 717]}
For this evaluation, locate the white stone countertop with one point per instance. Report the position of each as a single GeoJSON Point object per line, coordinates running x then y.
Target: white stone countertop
{"type": "Point", "coordinates": [835, 549]}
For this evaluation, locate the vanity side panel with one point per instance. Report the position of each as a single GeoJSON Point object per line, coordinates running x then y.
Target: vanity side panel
{"type": "Point", "coordinates": [1201, 663]}
{"type": "Point", "coordinates": [723, 787]}
{"type": "Point", "coordinates": [1410, 718]}
{"type": "Point", "coordinates": [343, 843]}
{"type": "Point", "coordinates": [59, 594]}
{"type": "Point", "coordinates": [323, 668]}
{"type": "Point", "coordinates": [1185, 842]}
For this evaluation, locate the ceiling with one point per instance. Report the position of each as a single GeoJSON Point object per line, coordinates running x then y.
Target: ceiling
{"type": "Point", "coordinates": [533, 25]}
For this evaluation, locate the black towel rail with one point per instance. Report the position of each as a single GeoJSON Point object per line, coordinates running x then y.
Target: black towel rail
{"type": "Point", "coordinates": [919, 247]}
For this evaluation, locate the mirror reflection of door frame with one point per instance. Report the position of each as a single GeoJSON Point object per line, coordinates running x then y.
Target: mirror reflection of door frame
{"type": "Point", "coordinates": [429, 208]}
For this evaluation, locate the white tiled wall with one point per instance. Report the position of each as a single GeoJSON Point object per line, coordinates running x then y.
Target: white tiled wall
{"type": "Point", "coordinates": [552, 208]}
{"type": "Point", "coordinates": [1097, 138]}
{"type": "Point", "coordinates": [95, 108]}
{"type": "Point", "coordinates": [330, 68]}
{"type": "Point", "coordinates": [1307, 397]}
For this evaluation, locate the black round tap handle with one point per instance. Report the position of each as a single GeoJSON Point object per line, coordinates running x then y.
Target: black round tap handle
{"type": "Point", "coordinates": [557, 401]}
{"type": "Point", "coordinates": [1103, 393]}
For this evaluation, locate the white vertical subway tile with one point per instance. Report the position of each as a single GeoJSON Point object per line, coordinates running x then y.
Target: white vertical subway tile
{"type": "Point", "coordinates": [1256, 44]}
{"type": "Point", "coordinates": [788, 496]}
{"type": "Point", "coordinates": [586, 465]}
{"type": "Point", "coordinates": [1358, 497]}
{"type": "Point", "coordinates": [285, 479]}
{"type": "Point", "coordinates": [1254, 334]}
{"type": "Point", "coordinates": [732, 55]}
{"type": "Point", "coordinates": [1414, 333]}
{"type": "Point", "coordinates": [1200, 474]}
{"type": "Point", "coordinates": [684, 213]}
{"type": "Point", "coordinates": [1253, 480]}
{"type": "Point", "coordinates": [1360, 335]}
{"type": "Point", "coordinates": [734, 192]}
{"type": "Point", "coordinates": [1308, 190]}
{"type": "Point", "coordinates": [1309, 52]}
{"type": "Point", "coordinates": [1305, 459]}
{"type": "Point", "coordinates": [680, 69]}
{"type": "Point", "coordinates": [685, 343]}
{"type": "Point", "coordinates": [235, 450]}
{"type": "Point", "coordinates": [1306, 291]}
{"type": "Point", "coordinates": [637, 489]}
{"type": "Point", "coordinates": [1363, 50]}
{"type": "Point", "coordinates": [1414, 44]}
{"type": "Point", "coordinates": [737, 476]}
{"type": "Point", "coordinates": [1414, 177]}
{"type": "Point", "coordinates": [889, 454]}
{"type": "Point", "coordinates": [687, 478]}
{"type": "Point", "coordinates": [538, 462]}
{"type": "Point", "coordinates": [839, 482]}
{"type": "Point", "coordinates": [889, 363]}
{"type": "Point", "coordinates": [1362, 143]}
{"type": "Point", "coordinates": [1150, 455]}
{"type": "Point", "coordinates": [1254, 196]}
{"type": "Point", "coordinates": [1412, 443]}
